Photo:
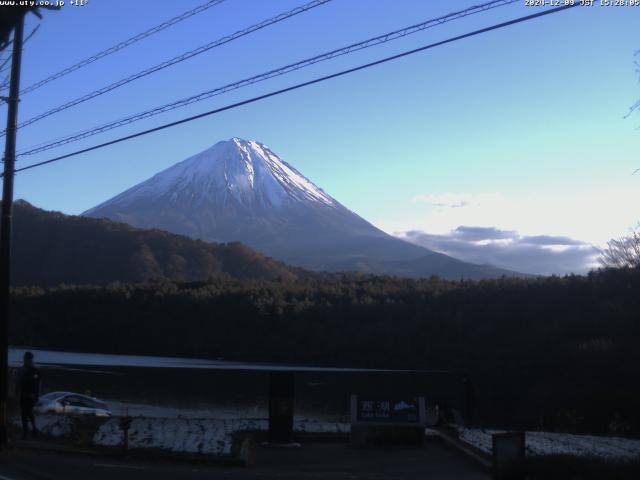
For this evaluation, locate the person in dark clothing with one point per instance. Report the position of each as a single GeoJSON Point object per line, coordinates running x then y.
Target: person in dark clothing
{"type": "Point", "coordinates": [28, 386]}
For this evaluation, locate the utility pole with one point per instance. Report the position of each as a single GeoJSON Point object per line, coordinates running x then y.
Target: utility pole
{"type": "Point", "coordinates": [5, 225]}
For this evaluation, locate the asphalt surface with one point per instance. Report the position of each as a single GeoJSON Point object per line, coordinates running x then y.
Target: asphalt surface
{"type": "Point", "coordinates": [312, 461]}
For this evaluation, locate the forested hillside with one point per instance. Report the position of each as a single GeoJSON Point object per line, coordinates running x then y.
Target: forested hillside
{"type": "Point", "coordinates": [549, 352]}
{"type": "Point", "coordinates": [50, 248]}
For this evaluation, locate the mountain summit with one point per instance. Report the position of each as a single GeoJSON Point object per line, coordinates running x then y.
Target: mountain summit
{"type": "Point", "coordinates": [234, 173]}
{"type": "Point", "coordinates": [241, 190]}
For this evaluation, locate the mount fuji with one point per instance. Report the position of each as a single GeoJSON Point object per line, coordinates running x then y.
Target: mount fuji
{"type": "Point", "coordinates": [240, 190]}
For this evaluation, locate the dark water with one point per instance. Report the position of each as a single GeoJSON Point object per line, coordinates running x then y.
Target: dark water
{"type": "Point", "coordinates": [175, 391]}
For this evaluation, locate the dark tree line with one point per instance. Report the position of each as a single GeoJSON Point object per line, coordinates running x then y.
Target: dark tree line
{"type": "Point", "coordinates": [553, 353]}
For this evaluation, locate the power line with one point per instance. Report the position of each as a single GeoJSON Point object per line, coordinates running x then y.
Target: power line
{"type": "Point", "coordinates": [301, 85]}
{"type": "Point", "coordinates": [121, 45]}
{"type": "Point", "coordinates": [387, 37]}
{"type": "Point", "coordinates": [5, 83]}
{"type": "Point", "coordinates": [175, 60]}
{"type": "Point", "coordinates": [28, 37]}
{"type": "Point", "coordinates": [5, 65]}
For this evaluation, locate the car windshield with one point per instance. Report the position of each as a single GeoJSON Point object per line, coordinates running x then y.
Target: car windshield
{"type": "Point", "coordinates": [50, 395]}
{"type": "Point", "coordinates": [84, 401]}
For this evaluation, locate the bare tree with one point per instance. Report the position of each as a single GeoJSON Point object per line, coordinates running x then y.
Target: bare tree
{"type": "Point", "coordinates": [623, 252]}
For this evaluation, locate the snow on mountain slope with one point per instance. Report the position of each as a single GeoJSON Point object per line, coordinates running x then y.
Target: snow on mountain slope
{"type": "Point", "coordinates": [247, 172]}
{"type": "Point", "coordinates": [241, 190]}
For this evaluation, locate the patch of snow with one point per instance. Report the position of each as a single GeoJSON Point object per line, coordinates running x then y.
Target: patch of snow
{"type": "Point", "coordinates": [551, 443]}
{"type": "Point", "coordinates": [479, 438]}
{"type": "Point", "coordinates": [319, 426]}
{"type": "Point", "coordinates": [206, 436]}
{"type": "Point", "coordinates": [191, 435]}
{"type": "Point", "coordinates": [245, 171]}
{"type": "Point", "coordinates": [545, 443]}
{"type": "Point", "coordinates": [51, 425]}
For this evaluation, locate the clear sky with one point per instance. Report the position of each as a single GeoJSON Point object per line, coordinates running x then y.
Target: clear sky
{"type": "Point", "coordinates": [519, 131]}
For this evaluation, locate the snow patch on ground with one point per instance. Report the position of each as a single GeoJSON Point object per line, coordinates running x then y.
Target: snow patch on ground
{"type": "Point", "coordinates": [191, 435]}
{"type": "Point", "coordinates": [548, 443]}
{"type": "Point", "coordinates": [319, 426]}
{"type": "Point", "coordinates": [207, 436]}
{"type": "Point", "coordinates": [51, 425]}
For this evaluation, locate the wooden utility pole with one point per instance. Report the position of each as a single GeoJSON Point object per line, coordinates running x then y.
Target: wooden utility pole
{"type": "Point", "coordinates": [5, 224]}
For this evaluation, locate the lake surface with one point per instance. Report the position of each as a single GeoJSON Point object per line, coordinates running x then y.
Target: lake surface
{"type": "Point", "coordinates": [188, 387]}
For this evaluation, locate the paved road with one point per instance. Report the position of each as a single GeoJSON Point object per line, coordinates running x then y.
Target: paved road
{"type": "Point", "coordinates": [313, 461]}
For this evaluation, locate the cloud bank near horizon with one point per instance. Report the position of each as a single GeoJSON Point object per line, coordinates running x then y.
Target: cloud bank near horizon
{"type": "Point", "coordinates": [536, 254]}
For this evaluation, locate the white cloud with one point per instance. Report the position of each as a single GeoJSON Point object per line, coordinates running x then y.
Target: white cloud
{"type": "Point", "coordinates": [455, 200]}
{"type": "Point", "coordinates": [546, 232]}
{"type": "Point", "coordinates": [539, 254]}
{"type": "Point", "coordinates": [591, 216]}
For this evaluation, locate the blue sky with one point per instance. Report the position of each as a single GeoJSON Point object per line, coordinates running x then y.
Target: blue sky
{"type": "Point", "coordinates": [518, 130]}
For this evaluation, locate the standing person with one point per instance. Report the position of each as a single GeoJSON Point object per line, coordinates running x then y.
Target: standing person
{"type": "Point", "coordinates": [28, 387]}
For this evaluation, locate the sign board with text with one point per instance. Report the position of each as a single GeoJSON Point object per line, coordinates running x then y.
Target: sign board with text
{"type": "Point", "coordinates": [367, 410]}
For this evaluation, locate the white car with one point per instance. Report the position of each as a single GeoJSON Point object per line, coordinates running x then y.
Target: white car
{"type": "Point", "coordinates": [69, 403]}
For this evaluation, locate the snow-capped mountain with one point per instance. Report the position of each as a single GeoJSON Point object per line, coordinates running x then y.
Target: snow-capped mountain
{"type": "Point", "coordinates": [239, 172]}
{"type": "Point", "coordinates": [240, 190]}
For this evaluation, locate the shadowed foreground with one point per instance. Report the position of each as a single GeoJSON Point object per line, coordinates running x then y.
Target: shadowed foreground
{"type": "Point", "coordinates": [333, 461]}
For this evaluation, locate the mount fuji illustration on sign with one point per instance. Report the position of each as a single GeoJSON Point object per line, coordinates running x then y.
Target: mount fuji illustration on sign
{"type": "Point", "coordinates": [240, 190]}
